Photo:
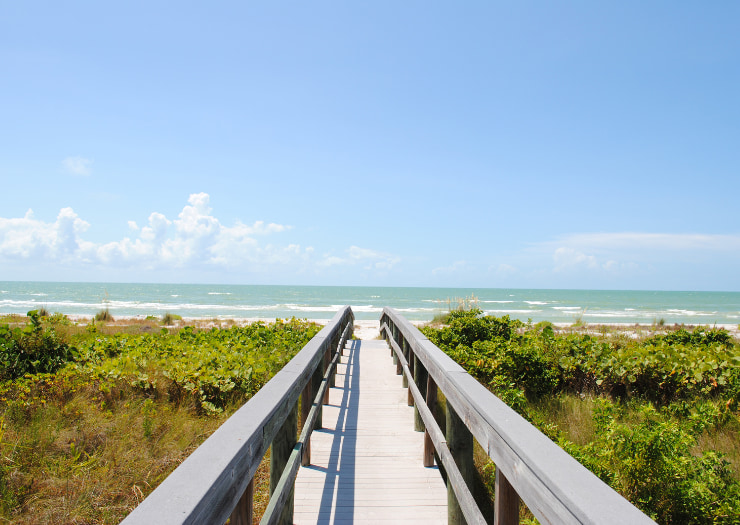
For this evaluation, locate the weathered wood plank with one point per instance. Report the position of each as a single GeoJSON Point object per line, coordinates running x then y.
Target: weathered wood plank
{"type": "Point", "coordinates": [244, 510]}
{"type": "Point", "coordinates": [280, 452]}
{"type": "Point", "coordinates": [366, 461]}
{"type": "Point", "coordinates": [506, 506]}
{"type": "Point", "coordinates": [431, 399]}
{"type": "Point", "coordinates": [460, 443]}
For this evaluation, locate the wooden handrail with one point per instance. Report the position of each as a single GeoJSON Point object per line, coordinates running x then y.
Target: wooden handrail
{"type": "Point", "coordinates": [214, 482]}
{"type": "Point", "coordinates": [553, 485]}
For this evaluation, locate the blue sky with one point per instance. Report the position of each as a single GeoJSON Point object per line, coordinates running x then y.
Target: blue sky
{"type": "Point", "coordinates": [481, 144]}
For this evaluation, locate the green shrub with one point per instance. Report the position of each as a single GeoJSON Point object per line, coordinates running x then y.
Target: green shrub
{"type": "Point", "coordinates": [653, 464]}
{"type": "Point", "coordinates": [31, 349]}
{"type": "Point", "coordinates": [671, 390]}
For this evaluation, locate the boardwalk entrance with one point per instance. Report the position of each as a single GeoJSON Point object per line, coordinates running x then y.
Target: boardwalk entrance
{"type": "Point", "coordinates": [366, 464]}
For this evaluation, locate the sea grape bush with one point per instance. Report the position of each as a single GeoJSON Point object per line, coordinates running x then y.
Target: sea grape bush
{"type": "Point", "coordinates": [31, 349]}
{"type": "Point", "coordinates": [655, 399]}
{"type": "Point", "coordinates": [206, 368]}
{"type": "Point", "coordinates": [663, 368]}
{"type": "Point", "coordinates": [203, 369]}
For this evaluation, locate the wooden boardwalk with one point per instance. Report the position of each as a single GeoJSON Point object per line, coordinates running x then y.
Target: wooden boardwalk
{"type": "Point", "coordinates": [366, 463]}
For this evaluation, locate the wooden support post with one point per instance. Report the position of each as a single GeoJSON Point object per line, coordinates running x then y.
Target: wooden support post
{"type": "Point", "coordinates": [432, 405]}
{"type": "Point", "coordinates": [397, 361]}
{"type": "Point", "coordinates": [394, 335]}
{"type": "Point", "coordinates": [327, 361]}
{"type": "Point", "coordinates": [242, 513]}
{"type": "Point", "coordinates": [282, 446]}
{"type": "Point", "coordinates": [334, 348]}
{"type": "Point", "coordinates": [390, 335]}
{"type": "Point", "coordinates": [460, 443]}
{"type": "Point", "coordinates": [316, 379]}
{"type": "Point", "coordinates": [405, 352]}
{"type": "Point", "coordinates": [306, 404]}
{"type": "Point", "coordinates": [506, 504]}
{"type": "Point", "coordinates": [411, 362]}
{"type": "Point", "coordinates": [420, 378]}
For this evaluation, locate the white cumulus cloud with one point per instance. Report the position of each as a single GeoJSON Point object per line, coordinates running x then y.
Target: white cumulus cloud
{"type": "Point", "coordinates": [28, 237]}
{"type": "Point", "coordinates": [195, 237]}
{"type": "Point", "coordinates": [193, 241]}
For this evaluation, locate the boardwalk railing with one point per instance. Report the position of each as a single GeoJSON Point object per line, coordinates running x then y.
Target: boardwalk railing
{"type": "Point", "coordinates": [553, 485]}
{"type": "Point", "coordinates": [215, 482]}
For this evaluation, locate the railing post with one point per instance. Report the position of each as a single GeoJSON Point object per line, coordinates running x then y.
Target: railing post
{"type": "Point", "coordinates": [327, 361]}
{"type": "Point", "coordinates": [316, 378]}
{"type": "Point", "coordinates": [242, 513]}
{"type": "Point", "coordinates": [306, 404]}
{"type": "Point", "coordinates": [397, 361]}
{"type": "Point", "coordinates": [460, 443]}
{"type": "Point", "coordinates": [405, 351]}
{"type": "Point", "coordinates": [394, 335]}
{"type": "Point", "coordinates": [334, 348]}
{"type": "Point", "coordinates": [411, 360]}
{"type": "Point", "coordinates": [432, 405]}
{"type": "Point", "coordinates": [282, 446]}
{"type": "Point", "coordinates": [420, 378]}
{"type": "Point", "coordinates": [506, 504]}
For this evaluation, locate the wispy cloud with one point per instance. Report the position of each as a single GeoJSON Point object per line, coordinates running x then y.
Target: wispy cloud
{"type": "Point", "coordinates": [455, 267]}
{"type": "Point", "coordinates": [622, 259]}
{"type": "Point", "coordinates": [651, 241]}
{"type": "Point", "coordinates": [78, 165]}
{"type": "Point", "coordinates": [366, 258]}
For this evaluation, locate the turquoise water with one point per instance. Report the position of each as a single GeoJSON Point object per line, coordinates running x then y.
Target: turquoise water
{"type": "Point", "coordinates": [321, 302]}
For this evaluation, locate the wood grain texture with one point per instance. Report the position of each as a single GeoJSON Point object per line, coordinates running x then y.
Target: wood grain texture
{"type": "Point", "coordinates": [506, 506]}
{"type": "Point", "coordinates": [367, 460]}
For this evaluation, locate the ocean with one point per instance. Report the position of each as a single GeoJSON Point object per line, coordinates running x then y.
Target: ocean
{"type": "Point", "coordinates": [321, 302]}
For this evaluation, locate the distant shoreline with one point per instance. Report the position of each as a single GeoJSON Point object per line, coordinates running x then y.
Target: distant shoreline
{"type": "Point", "coordinates": [370, 329]}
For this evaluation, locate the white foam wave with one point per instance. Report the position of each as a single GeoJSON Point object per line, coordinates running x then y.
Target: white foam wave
{"type": "Point", "coordinates": [498, 302]}
{"type": "Point", "coordinates": [512, 311]}
{"type": "Point", "coordinates": [362, 308]}
{"type": "Point", "coordinates": [566, 308]}
{"type": "Point", "coordinates": [219, 293]}
{"type": "Point", "coordinates": [538, 303]}
{"type": "Point", "coordinates": [690, 313]}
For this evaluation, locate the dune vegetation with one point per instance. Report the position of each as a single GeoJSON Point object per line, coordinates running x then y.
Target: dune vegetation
{"type": "Point", "coordinates": [93, 418]}
{"type": "Point", "coordinates": [654, 417]}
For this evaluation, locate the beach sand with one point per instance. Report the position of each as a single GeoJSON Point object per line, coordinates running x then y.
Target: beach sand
{"type": "Point", "coordinates": [370, 329]}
